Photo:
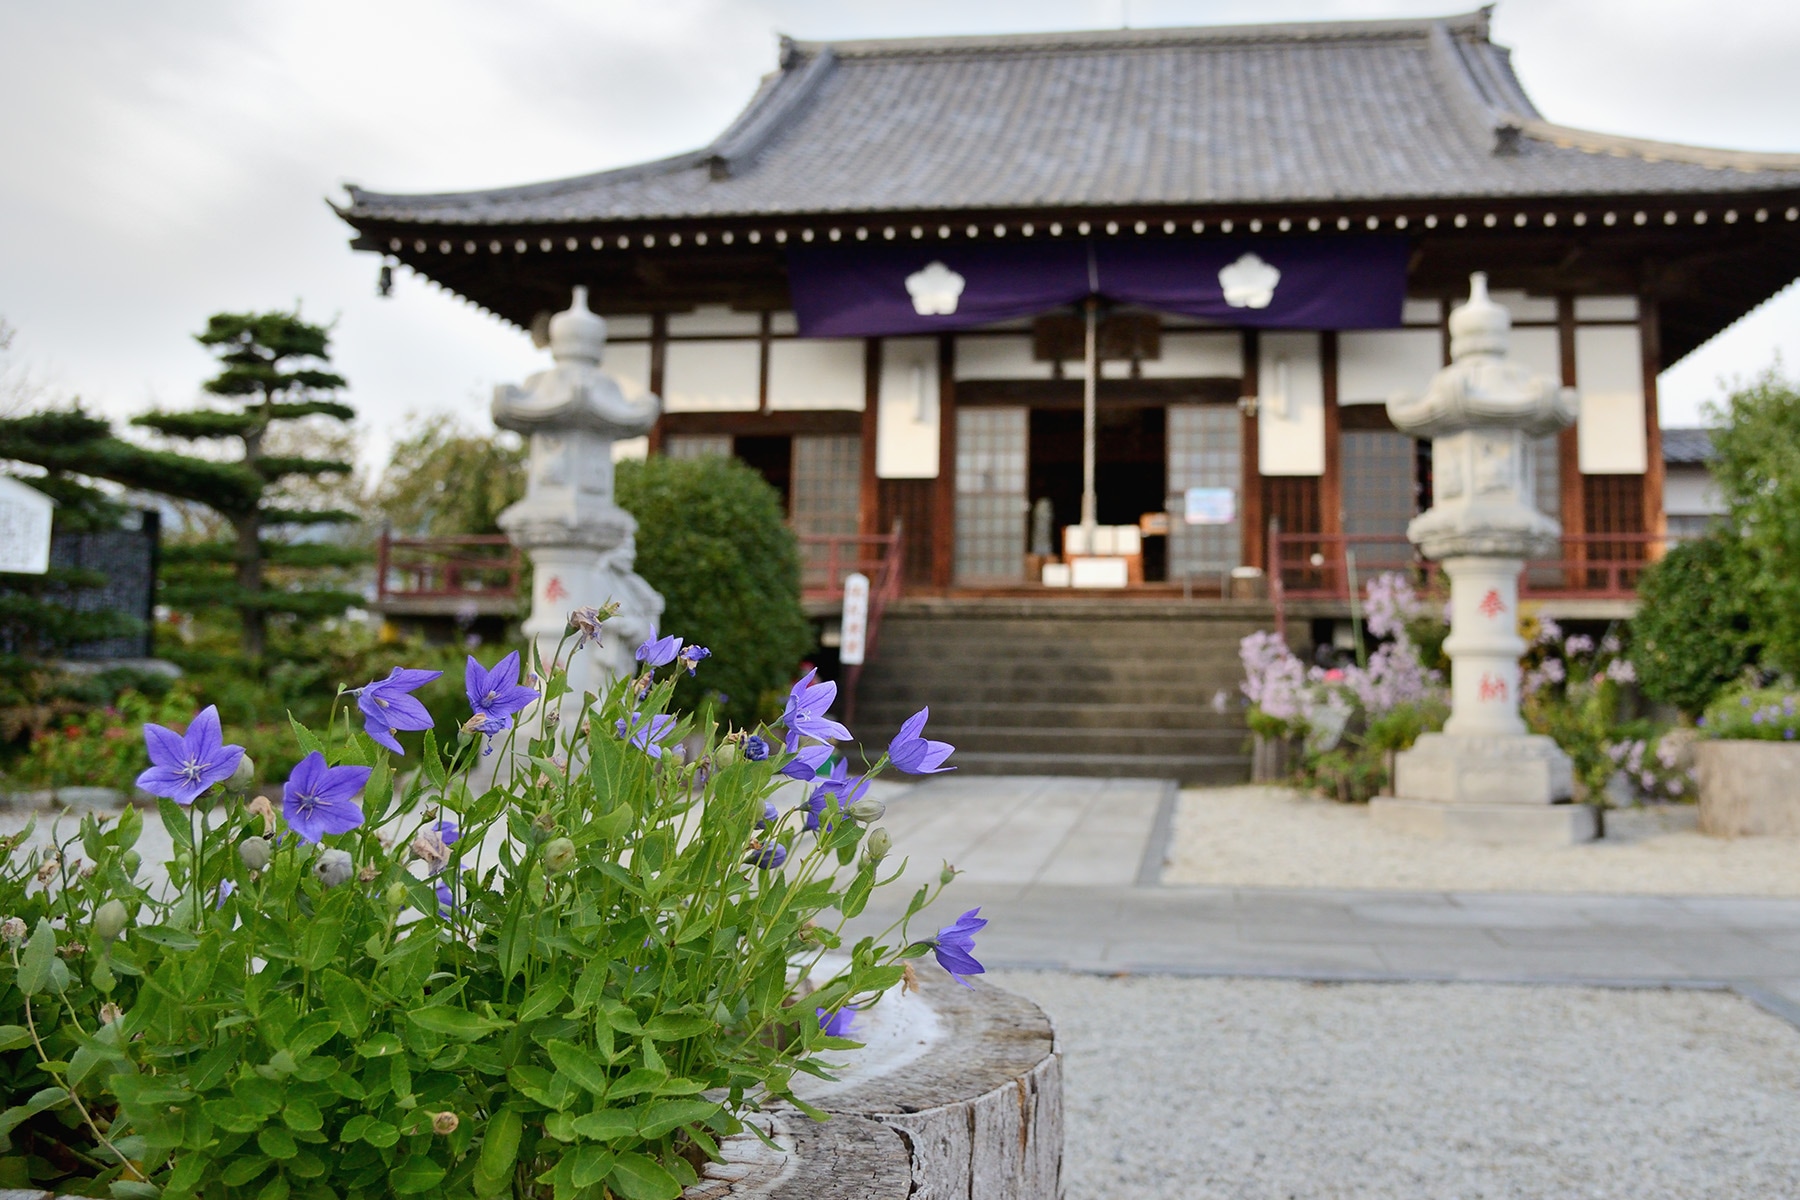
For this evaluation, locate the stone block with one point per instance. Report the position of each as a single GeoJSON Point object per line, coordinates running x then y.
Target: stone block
{"type": "Point", "coordinates": [1463, 769]}
{"type": "Point", "coordinates": [1748, 788]}
{"type": "Point", "coordinates": [1493, 824]}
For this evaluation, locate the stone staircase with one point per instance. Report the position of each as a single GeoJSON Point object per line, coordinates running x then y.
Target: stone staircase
{"type": "Point", "coordinates": [1068, 686]}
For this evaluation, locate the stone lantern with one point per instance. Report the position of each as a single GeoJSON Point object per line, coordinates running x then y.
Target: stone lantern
{"type": "Point", "coordinates": [580, 542]}
{"type": "Point", "coordinates": [1484, 778]}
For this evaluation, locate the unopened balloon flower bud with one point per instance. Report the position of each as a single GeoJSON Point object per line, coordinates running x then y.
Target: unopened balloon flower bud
{"type": "Point", "coordinates": [726, 754]}
{"type": "Point", "coordinates": [552, 718]}
{"type": "Point", "coordinates": [109, 921]}
{"type": "Point", "coordinates": [13, 930]}
{"type": "Point", "coordinates": [396, 895]}
{"type": "Point", "coordinates": [243, 777]}
{"type": "Point", "coordinates": [255, 852]}
{"type": "Point", "coordinates": [445, 1123]}
{"type": "Point", "coordinates": [947, 875]}
{"type": "Point", "coordinates": [559, 854]}
{"type": "Point", "coordinates": [868, 809]}
{"type": "Point", "coordinates": [333, 867]}
{"type": "Point", "coordinates": [879, 843]}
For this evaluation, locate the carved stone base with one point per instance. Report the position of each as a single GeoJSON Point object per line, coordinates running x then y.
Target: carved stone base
{"type": "Point", "coordinates": [1524, 769]}
{"type": "Point", "coordinates": [1494, 824]}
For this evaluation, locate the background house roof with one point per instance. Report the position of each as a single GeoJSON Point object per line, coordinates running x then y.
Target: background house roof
{"type": "Point", "coordinates": [1365, 110]}
{"type": "Point", "coordinates": [1686, 444]}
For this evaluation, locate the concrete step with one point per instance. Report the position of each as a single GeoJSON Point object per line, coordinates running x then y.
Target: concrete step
{"type": "Point", "coordinates": [1191, 770]}
{"type": "Point", "coordinates": [952, 672]}
{"type": "Point", "coordinates": [1228, 743]}
{"type": "Point", "coordinates": [876, 714]}
{"type": "Point", "coordinates": [914, 694]}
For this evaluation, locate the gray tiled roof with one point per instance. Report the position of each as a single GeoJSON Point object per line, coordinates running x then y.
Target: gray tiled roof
{"type": "Point", "coordinates": [1686, 444]}
{"type": "Point", "coordinates": [1366, 110]}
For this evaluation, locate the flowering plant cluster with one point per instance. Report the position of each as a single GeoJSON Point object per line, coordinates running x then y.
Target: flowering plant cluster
{"type": "Point", "coordinates": [1754, 713]}
{"type": "Point", "coordinates": [1656, 767]}
{"type": "Point", "coordinates": [1574, 688]}
{"type": "Point", "coordinates": [404, 980]}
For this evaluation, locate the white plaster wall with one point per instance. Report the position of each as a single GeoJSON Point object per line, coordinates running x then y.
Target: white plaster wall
{"type": "Point", "coordinates": [1606, 308]}
{"type": "Point", "coordinates": [1689, 491]}
{"type": "Point", "coordinates": [906, 445]}
{"type": "Point", "coordinates": [1197, 355]}
{"type": "Point", "coordinates": [1526, 308]}
{"type": "Point", "coordinates": [1610, 373]}
{"type": "Point", "coordinates": [1421, 312]}
{"type": "Point", "coordinates": [1539, 349]}
{"type": "Point", "coordinates": [1291, 411]}
{"type": "Point", "coordinates": [823, 373]}
{"type": "Point", "coordinates": [710, 376]}
{"type": "Point", "coordinates": [629, 363]}
{"type": "Point", "coordinates": [627, 325]}
{"type": "Point", "coordinates": [783, 322]}
{"type": "Point", "coordinates": [998, 358]}
{"type": "Point", "coordinates": [1374, 364]}
{"type": "Point", "coordinates": [712, 320]}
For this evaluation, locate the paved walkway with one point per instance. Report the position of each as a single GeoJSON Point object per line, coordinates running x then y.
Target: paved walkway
{"type": "Point", "coordinates": [1066, 869]}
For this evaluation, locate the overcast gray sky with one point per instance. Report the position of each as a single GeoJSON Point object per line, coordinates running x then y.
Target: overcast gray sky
{"type": "Point", "coordinates": [165, 161]}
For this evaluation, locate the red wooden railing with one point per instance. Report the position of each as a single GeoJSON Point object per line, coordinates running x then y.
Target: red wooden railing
{"type": "Point", "coordinates": [446, 568]}
{"type": "Point", "coordinates": [827, 558]}
{"type": "Point", "coordinates": [1317, 566]}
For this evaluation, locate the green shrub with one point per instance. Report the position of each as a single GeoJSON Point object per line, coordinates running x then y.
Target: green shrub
{"type": "Point", "coordinates": [1757, 465]}
{"type": "Point", "coordinates": [711, 539]}
{"type": "Point", "coordinates": [1757, 713]}
{"type": "Point", "coordinates": [1694, 632]}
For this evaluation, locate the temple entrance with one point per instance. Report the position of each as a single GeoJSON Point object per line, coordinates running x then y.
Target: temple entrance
{"type": "Point", "coordinates": [1130, 472]}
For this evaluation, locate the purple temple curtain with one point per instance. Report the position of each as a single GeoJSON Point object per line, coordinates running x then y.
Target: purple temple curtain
{"type": "Point", "coordinates": [1286, 283]}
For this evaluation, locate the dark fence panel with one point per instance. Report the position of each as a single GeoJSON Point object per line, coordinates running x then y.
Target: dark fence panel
{"type": "Point", "coordinates": [127, 557]}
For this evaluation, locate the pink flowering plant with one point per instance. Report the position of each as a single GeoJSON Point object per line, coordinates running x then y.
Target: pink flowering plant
{"type": "Point", "coordinates": [557, 958]}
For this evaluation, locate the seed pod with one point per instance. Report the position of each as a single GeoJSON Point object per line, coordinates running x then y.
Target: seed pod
{"type": "Point", "coordinates": [333, 867]}
{"type": "Point", "coordinates": [878, 844]}
{"type": "Point", "coordinates": [243, 777]}
{"type": "Point", "coordinates": [445, 1123]}
{"type": "Point", "coordinates": [868, 809]}
{"type": "Point", "coordinates": [559, 854]}
{"type": "Point", "coordinates": [110, 920]}
{"type": "Point", "coordinates": [396, 895]}
{"type": "Point", "coordinates": [947, 875]}
{"type": "Point", "coordinates": [255, 852]}
{"type": "Point", "coordinates": [726, 754]}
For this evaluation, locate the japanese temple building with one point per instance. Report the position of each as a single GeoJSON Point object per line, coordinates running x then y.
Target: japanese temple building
{"type": "Point", "coordinates": [874, 286]}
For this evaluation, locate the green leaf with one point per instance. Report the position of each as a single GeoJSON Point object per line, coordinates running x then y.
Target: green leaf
{"type": "Point", "coordinates": [304, 736]}
{"type": "Point", "coordinates": [173, 939]}
{"type": "Point", "coordinates": [672, 1027]}
{"type": "Point", "coordinates": [381, 1135]}
{"type": "Point", "coordinates": [348, 1001]}
{"type": "Point", "coordinates": [856, 897]}
{"type": "Point", "coordinates": [591, 986]}
{"type": "Point", "coordinates": [580, 1066]}
{"type": "Point", "coordinates": [318, 944]}
{"type": "Point", "coordinates": [542, 1001]}
{"type": "Point", "coordinates": [434, 763]}
{"type": "Point", "coordinates": [243, 1170]}
{"type": "Point", "coordinates": [175, 819]}
{"type": "Point", "coordinates": [276, 1142]}
{"type": "Point", "coordinates": [416, 1174]}
{"type": "Point", "coordinates": [40, 952]}
{"type": "Point", "coordinates": [500, 1145]}
{"type": "Point", "coordinates": [637, 1082]}
{"type": "Point", "coordinates": [592, 1164]}
{"type": "Point", "coordinates": [45, 1098]}
{"type": "Point", "coordinates": [607, 1124]}
{"type": "Point", "coordinates": [609, 826]}
{"type": "Point", "coordinates": [381, 1045]}
{"type": "Point", "coordinates": [14, 1036]}
{"type": "Point", "coordinates": [302, 1114]}
{"type": "Point", "coordinates": [453, 1022]}
{"type": "Point", "coordinates": [665, 1115]}
{"type": "Point", "coordinates": [275, 1189]}
{"type": "Point", "coordinates": [638, 1177]}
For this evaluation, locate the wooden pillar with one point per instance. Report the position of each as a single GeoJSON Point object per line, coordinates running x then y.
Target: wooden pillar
{"type": "Point", "coordinates": [943, 508]}
{"type": "Point", "coordinates": [762, 361]}
{"type": "Point", "coordinates": [868, 502]}
{"type": "Point", "coordinates": [659, 345]}
{"type": "Point", "coordinates": [1650, 346]}
{"type": "Point", "coordinates": [1568, 443]}
{"type": "Point", "coordinates": [1331, 481]}
{"type": "Point", "coordinates": [1251, 517]}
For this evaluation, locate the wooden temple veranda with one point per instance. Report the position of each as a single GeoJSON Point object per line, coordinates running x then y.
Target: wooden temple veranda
{"type": "Point", "coordinates": [872, 288]}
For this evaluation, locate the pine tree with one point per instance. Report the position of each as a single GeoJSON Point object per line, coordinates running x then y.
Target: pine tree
{"type": "Point", "coordinates": [275, 367]}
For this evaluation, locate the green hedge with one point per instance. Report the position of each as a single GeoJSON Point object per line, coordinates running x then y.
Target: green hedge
{"type": "Point", "coordinates": [1695, 630]}
{"type": "Point", "coordinates": [711, 538]}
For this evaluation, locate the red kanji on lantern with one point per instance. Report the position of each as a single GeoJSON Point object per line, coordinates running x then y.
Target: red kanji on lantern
{"type": "Point", "coordinates": [554, 590]}
{"type": "Point", "coordinates": [1491, 604]}
{"type": "Point", "coordinates": [1492, 687]}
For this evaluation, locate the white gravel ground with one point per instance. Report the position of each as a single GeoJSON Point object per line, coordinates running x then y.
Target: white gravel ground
{"type": "Point", "coordinates": [1195, 1089]}
{"type": "Point", "coordinates": [1275, 837]}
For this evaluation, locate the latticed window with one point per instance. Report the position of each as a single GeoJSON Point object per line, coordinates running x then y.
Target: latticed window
{"type": "Point", "coordinates": [825, 492]}
{"type": "Point", "coordinates": [1204, 452]}
{"type": "Point", "coordinates": [697, 445]}
{"type": "Point", "coordinates": [1546, 463]}
{"type": "Point", "coordinates": [1380, 493]}
{"type": "Point", "coordinates": [991, 448]}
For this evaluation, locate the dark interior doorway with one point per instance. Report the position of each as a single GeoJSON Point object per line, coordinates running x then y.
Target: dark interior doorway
{"type": "Point", "coordinates": [1131, 468]}
{"type": "Point", "coordinates": [772, 457]}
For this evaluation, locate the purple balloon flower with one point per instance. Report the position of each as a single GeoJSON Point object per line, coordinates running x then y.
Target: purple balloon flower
{"type": "Point", "coordinates": [954, 946]}
{"type": "Point", "coordinates": [916, 754]}
{"type": "Point", "coordinates": [447, 832]}
{"type": "Point", "coordinates": [182, 766]}
{"type": "Point", "coordinates": [806, 762]}
{"type": "Point", "coordinates": [317, 799]}
{"type": "Point", "coordinates": [769, 858]}
{"type": "Point", "coordinates": [805, 716]}
{"type": "Point", "coordinates": [770, 815]}
{"type": "Point", "coordinates": [836, 1024]}
{"type": "Point", "coordinates": [690, 657]}
{"type": "Point", "coordinates": [646, 732]}
{"type": "Point", "coordinates": [494, 696]}
{"type": "Point", "coordinates": [659, 652]}
{"type": "Point", "coordinates": [387, 705]}
{"type": "Point", "coordinates": [839, 783]}
{"type": "Point", "coordinates": [756, 749]}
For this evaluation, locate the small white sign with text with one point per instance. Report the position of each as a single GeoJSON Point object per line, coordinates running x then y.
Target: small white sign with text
{"type": "Point", "coordinates": [855, 624]}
